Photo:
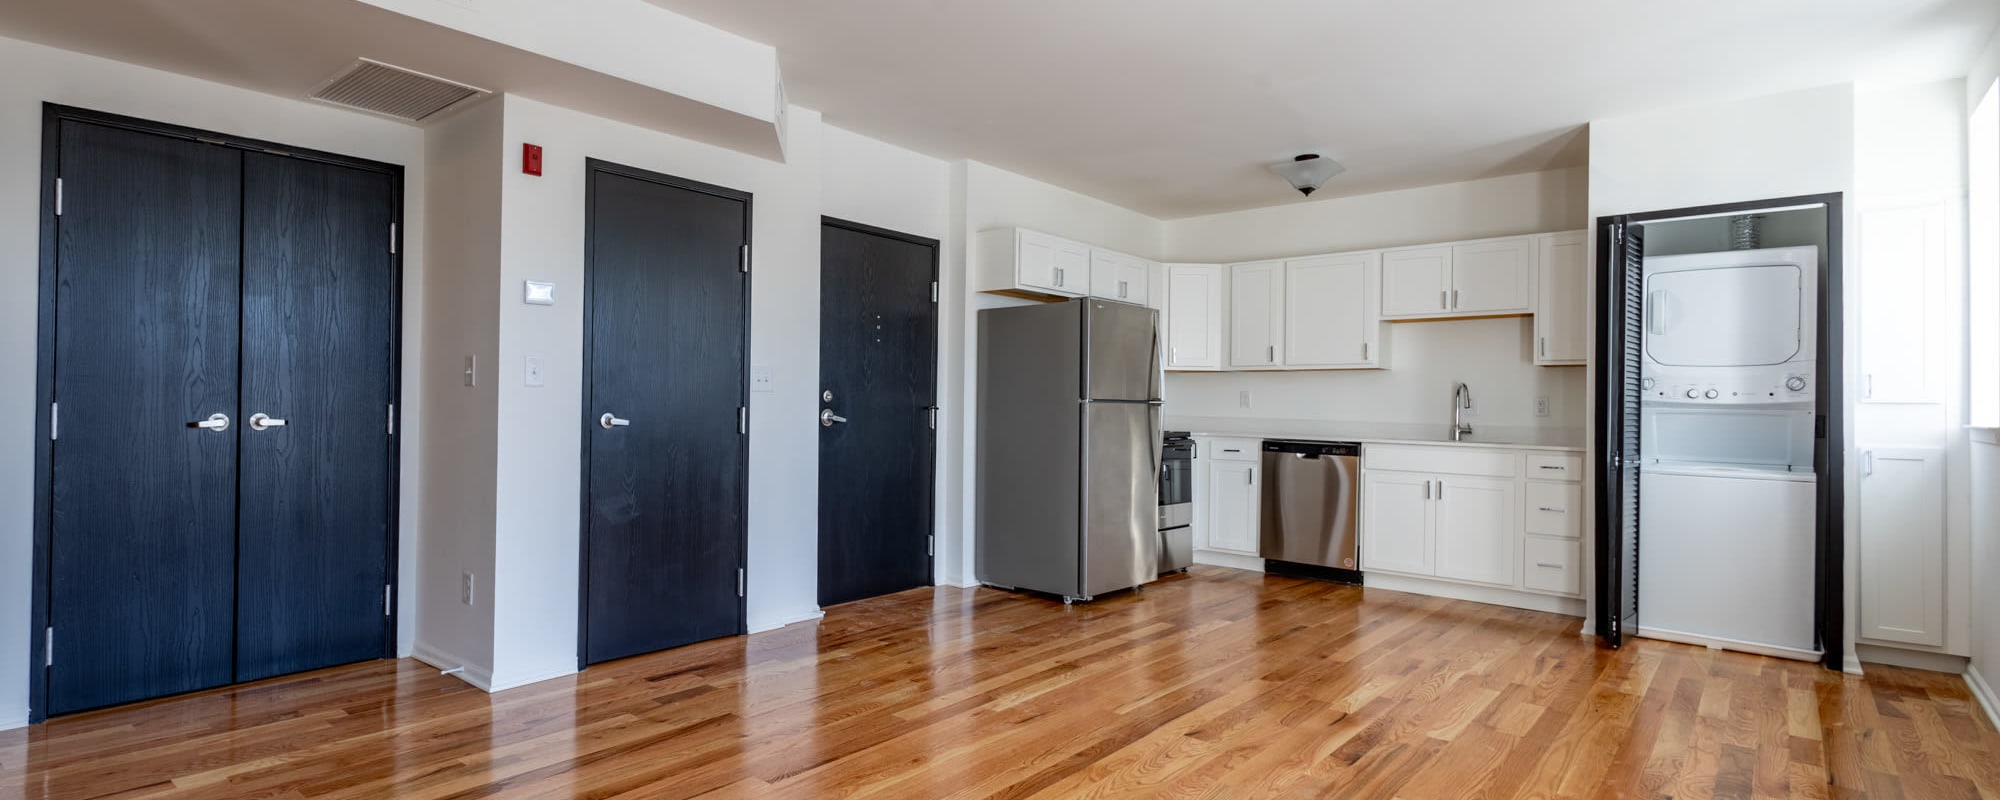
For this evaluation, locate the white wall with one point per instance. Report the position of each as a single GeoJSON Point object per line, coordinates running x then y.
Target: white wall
{"type": "Point", "coordinates": [1494, 357]}
{"type": "Point", "coordinates": [1766, 147]}
{"type": "Point", "coordinates": [37, 74]}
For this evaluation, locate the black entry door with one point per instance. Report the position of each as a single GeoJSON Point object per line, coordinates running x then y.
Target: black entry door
{"type": "Point", "coordinates": [877, 447]}
{"type": "Point", "coordinates": [666, 347]}
{"type": "Point", "coordinates": [318, 355]}
{"type": "Point", "coordinates": [142, 483]}
{"type": "Point", "coordinates": [1621, 305]}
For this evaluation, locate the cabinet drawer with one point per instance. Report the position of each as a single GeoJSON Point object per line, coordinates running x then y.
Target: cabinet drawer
{"type": "Point", "coordinates": [1554, 467]}
{"type": "Point", "coordinates": [1554, 509]}
{"type": "Point", "coordinates": [1232, 449]}
{"type": "Point", "coordinates": [1444, 460]}
{"type": "Point", "coordinates": [1550, 565]}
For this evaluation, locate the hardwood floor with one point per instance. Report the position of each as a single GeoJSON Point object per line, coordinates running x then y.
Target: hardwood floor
{"type": "Point", "coordinates": [1216, 684]}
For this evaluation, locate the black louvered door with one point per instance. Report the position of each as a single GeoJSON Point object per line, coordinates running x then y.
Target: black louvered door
{"type": "Point", "coordinates": [1621, 260]}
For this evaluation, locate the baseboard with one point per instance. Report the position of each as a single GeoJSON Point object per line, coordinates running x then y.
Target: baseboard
{"type": "Point", "coordinates": [1490, 595]}
{"type": "Point", "coordinates": [1911, 659]}
{"type": "Point", "coordinates": [479, 676]}
{"type": "Point", "coordinates": [766, 625]}
{"type": "Point", "coordinates": [1983, 691]}
{"type": "Point", "coordinates": [1720, 643]}
{"type": "Point", "coordinates": [504, 682]}
{"type": "Point", "coordinates": [22, 722]}
{"type": "Point", "coordinates": [1851, 664]}
{"type": "Point", "coordinates": [1217, 558]}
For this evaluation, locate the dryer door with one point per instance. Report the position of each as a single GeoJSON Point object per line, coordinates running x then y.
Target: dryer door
{"type": "Point", "coordinates": [1749, 316]}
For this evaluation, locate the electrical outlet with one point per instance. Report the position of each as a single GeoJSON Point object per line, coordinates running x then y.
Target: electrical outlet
{"type": "Point", "coordinates": [1243, 399]}
{"type": "Point", "coordinates": [531, 372]}
{"type": "Point", "coordinates": [1542, 406]}
{"type": "Point", "coordinates": [465, 588]}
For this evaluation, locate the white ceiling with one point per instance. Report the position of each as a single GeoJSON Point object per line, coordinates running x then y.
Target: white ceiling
{"type": "Point", "coordinates": [1171, 107]}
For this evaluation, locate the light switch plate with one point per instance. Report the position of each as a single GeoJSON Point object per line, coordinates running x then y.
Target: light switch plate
{"type": "Point", "coordinates": [1243, 399]}
{"type": "Point", "coordinates": [531, 372]}
{"type": "Point", "coordinates": [538, 293]}
{"type": "Point", "coordinates": [761, 379]}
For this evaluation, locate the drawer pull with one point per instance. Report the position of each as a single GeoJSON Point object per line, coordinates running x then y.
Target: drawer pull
{"type": "Point", "coordinates": [1555, 467]}
{"type": "Point", "coordinates": [1547, 565]}
{"type": "Point", "coordinates": [1555, 510]}
{"type": "Point", "coordinates": [1231, 450]}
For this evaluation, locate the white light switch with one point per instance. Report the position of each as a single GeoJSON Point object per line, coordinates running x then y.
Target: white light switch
{"type": "Point", "coordinates": [531, 372]}
{"type": "Point", "coordinates": [538, 293]}
{"type": "Point", "coordinates": [761, 380]}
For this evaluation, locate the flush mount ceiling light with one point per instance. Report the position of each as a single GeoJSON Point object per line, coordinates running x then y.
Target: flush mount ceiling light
{"type": "Point", "coordinates": [1308, 172]}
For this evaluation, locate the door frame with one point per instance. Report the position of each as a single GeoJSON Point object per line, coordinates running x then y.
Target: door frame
{"type": "Point", "coordinates": [594, 167]}
{"type": "Point", "coordinates": [1829, 443]}
{"type": "Point", "coordinates": [53, 115]}
{"type": "Point", "coordinates": [937, 329]}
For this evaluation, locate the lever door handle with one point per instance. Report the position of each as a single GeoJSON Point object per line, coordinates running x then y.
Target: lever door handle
{"type": "Point", "coordinates": [215, 422]}
{"type": "Point", "coordinates": [260, 421]}
{"type": "Point", "coordinates": [827, 418]}
{"type": "Point", "coordinates": [609, 421]}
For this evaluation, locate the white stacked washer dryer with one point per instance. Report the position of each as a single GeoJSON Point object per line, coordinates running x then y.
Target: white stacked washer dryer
{"type": "Point", "coordinates": [1727, 494]}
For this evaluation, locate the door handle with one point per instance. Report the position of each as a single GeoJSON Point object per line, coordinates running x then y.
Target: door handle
{"type": "Point", "coordinates": [215, 422]}
{"type": "Point", "coordinates": [261, 421]}
{"type": "Point", "coordinates": [827, 418]}
{"type": "Point", "coordinates": [609, 421]}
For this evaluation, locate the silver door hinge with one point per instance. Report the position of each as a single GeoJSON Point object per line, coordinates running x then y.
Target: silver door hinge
{"type": "Point", "coordinates": [743, 262]}
{"type": "Point", "coordinates": [55, 420]}
{"type": "Point", "coordinates": [49, 646]}
{"type": "Point", "coordinates": [934, 291]}
{"type": "Point", "coordinates": [392, 238]}
{"type": "Point", "coordinates": [933, 417]}
{"type": "Point", "coordinates": [59, 198]}
{"type": "Point", "coordinates": [392, 419]}
{"type": "Point", "coordinates": [743, 419]}
{"type": "Point", "coordinates": [930, 545]}
{"type": "Point", "coordinates": [385, 600]}
{"type": "Point", "coordinates": [739, 581]}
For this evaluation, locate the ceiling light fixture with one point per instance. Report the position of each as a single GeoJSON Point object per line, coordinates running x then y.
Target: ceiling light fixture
{"type": "Point", "coordinates": [1308, 172]}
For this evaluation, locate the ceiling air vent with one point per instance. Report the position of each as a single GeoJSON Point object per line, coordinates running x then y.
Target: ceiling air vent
{"type": "Point", "coordinates": [393, 91]}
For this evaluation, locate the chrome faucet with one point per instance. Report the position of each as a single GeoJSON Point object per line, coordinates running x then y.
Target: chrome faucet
{"type": "Point", "coordinates": [1461, 399]}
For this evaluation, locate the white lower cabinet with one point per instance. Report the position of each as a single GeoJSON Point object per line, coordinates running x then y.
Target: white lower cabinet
{"type": "Point", "coordinates": [1552, 565]}
{"type": "Point", "coordinates": [1478, 524]}
{"type": "Point", "coordinates": [1471, 515]}
{"type": "Point", "coordinates": [1233, 495]}
{"type": "Point", "coordinates": [1903, 547]}
{"type": "Point", "coordinates": [1396, 522]}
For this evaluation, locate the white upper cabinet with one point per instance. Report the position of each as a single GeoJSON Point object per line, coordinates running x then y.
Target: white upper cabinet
{"type": "Point", "coordinates": [1193, 316]}
{"type": "Point", "coordinates": [1256, 315]}
{"type": "Point", "coordinates": [1020, 261]}
{"type": "Point", "coordinates": [1332, 320]}
{"type": "Point", "coordinates": [1562, 306]}
{"type": "Point", "coordinates": [1416, 282]}
{"type": "Point", "coordinates": [1471, 279]}
{"type": "Point", "coordinates": [1907, 255]}
{"type": "Point", "coordinates": [1116, 276]}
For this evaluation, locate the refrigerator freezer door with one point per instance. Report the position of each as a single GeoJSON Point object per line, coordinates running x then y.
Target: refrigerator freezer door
{"type": "Point", "coordinates": [1121, 351]}
{"type": "Point", "coordinates": [1121, 496]}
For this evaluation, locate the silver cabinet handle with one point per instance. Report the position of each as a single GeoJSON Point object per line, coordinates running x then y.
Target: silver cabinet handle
{"type": "Point", "coordinates": [1555, 467]}
{"type": "Point", "coordinates": [1121, 290]}
{"type": "Point", "coordinates": [262, 421]}
{"type": "Point", "coordinates": [1454, 298]}
{"type": "Point", "coordinates": [609, 421]}
{"type": "Point", "coordinates": [1441, 296]}
{"type": "Point", "coordinates": [1271, 353]}
{"type": "Point", "coordinates": [1427, 490]}
{"type": "Point", "coordinates": [1249, 478]}
{"type": "Point", "coordinates": [1364, 351]}
{"type": "Point", "coordinates": [1547, 565]}
{"type": "Point", "coordinates": [1440, 488]}
{"type": "Point", "coordinates": [1555, 510]}
{"type": "Point", "coordinates": [215, 422]}
{"type": "Point", "coordinates": [1059, 276]}
{"type": "Point", "coordinates": [827, 418]}
{"type": "Point", "coordinates": [1545, 347]}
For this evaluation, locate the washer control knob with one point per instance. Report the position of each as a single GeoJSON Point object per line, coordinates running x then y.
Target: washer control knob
{"type": "Point", "coordinates": [1712, 394]}
{"type": "Point", "coordinates": [1796, 383]}
{"type": "Point", "coordinates": [1646, 383]}
{"type": "Point", "coordinates": [1694, 393]}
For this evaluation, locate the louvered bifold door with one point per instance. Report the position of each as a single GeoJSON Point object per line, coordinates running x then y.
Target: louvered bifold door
{"type": "Point", "coordinates": [1621, 315]}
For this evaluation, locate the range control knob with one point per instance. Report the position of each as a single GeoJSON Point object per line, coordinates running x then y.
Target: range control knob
{"type": "Point", "coordinates": [1694, 393]}
{"type": "Point", "coordinates": [1712, 394]}
{"type": "Point", "coordinates": [1796, 383]}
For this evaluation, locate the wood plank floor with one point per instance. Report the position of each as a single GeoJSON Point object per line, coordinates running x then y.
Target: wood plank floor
{"type": "Point", "coordinates": [1216, 684]}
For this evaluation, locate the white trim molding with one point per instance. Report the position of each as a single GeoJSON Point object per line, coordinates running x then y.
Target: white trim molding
{"type": "Point", "coordinates": [1983, 692]}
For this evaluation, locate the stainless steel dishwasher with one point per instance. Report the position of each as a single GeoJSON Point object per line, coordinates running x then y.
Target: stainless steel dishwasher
{"type": "Point", "coordinates": [1309, 514]}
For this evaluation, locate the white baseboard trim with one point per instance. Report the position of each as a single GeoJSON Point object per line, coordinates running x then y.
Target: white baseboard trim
{"type": "Point", "coordinates": [504, 682]}
{"type": "Point", "coordinates": [1490, 595]}
{"type": "Point", "coordinates": [1912, 659]}
{"type": "Point", "coordinates": [766, 625]}
{"type": "Point", "coordinates": [967, 584]}
{"type": "Point", "coordinates": [481, 677]}
{"type": "Point", "coordinates": [10, 724]}
{"type": "Point", "coordinates": [1851, 664]}
{"type": "Point", "coordinates": [1217, 558]}
{"type": "Point", "coordinates": [1983, 691]}
{"type": "Point", "coordinates": [1719, 643]}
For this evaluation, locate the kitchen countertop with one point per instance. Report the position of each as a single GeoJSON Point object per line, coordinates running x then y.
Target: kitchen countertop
{"type": "Point", "coordinates": [1511, 438]}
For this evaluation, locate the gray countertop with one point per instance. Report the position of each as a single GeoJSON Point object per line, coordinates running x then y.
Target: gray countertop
{"type": "Point", "coordinates": [1512, 438]}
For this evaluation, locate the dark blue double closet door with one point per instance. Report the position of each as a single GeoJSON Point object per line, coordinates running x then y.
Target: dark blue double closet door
{"type": "Point", "coordinates": [221, 359]}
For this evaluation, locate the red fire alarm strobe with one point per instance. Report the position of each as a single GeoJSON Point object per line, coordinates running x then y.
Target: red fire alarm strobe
{"type": "Point", "coordinates": [531, 159]}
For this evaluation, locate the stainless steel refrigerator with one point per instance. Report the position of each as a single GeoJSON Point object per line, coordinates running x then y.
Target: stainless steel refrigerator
{"type": "Point", "coordinates": [1069, 446]}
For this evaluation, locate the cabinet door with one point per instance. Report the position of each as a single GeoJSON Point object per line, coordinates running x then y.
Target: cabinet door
{"type": "Point", "coordinates": [1194, 316]}
{"type": "Point", "coordinates": [1330, 318]}
{"type": "Point", "coordinates": [1134, 281]}
{"type": "Point", "coordinates": [1104, 269]}
{"type": "Point", "coordinates": [1903, 546]}
{"type": "Point", "coordinates": [1071, 266]}
{"type": "Point", "coordinates": [1256, 310]}
{"type": "Point", "coordinates": [1490, 277]}
{"type": "Point", "coordinates": [1905, 311]}
{"type": "Point", "coordinates": [1232, 494]}
{"type": "Point", "coordinates": [1478, 524]}
{"type": "Point", "coordinates": [1415, 282]}
{"type": "Point", "coordinates": [1035, 260]}
{"type": "Point", "coordinates": [1561, 334]}
{"type": "Point", "coordinates": [1396, 517]}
